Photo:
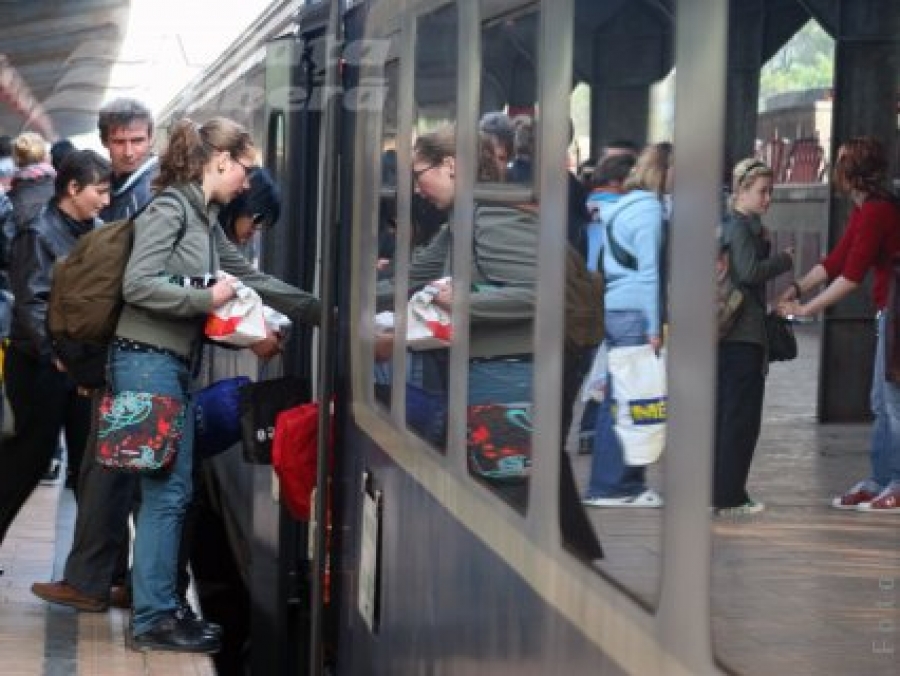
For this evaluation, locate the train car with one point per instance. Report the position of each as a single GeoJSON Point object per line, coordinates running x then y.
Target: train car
{"type": "Point", "coordinates": [421, 560]}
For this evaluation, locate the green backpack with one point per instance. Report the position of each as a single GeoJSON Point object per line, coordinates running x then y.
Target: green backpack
{"type": "Point", "coordinates": [86, 297]}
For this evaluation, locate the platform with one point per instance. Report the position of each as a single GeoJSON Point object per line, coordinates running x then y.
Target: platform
{"type": "Point", "coordinates": [801, 588]}
{"type": "Point", "coordinates": [41, 639]}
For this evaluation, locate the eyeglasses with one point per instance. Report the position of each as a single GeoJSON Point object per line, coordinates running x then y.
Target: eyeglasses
{"type": "Point", "coordinates": [417, 174]}
{"type": "Point", "coordinates": [258, 221]}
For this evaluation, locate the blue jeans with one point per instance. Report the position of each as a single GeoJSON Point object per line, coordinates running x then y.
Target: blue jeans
{"type": "Point", "coordinates": [164, 499]}
{"type": "Point", "coordinates": [885, 400]}
{"type": "Point", "coordinates": [500, 381]}
{"type": "Point", "coordinates": [610, 476]}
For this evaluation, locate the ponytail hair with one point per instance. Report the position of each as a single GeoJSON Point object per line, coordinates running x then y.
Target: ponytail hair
{"type": "Point", "coordinates": [191, 146]}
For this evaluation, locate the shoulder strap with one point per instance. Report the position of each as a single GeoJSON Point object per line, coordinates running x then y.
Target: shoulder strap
{"type": "Point", "coordinates": [623, 257]}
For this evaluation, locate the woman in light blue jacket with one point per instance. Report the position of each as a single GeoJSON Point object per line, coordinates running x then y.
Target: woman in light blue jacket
{"type": "Point", "coordinates": [632, 248]}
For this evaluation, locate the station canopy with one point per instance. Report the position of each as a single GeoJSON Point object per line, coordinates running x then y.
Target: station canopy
{"type": "Point", "coordinates": [56, 59]}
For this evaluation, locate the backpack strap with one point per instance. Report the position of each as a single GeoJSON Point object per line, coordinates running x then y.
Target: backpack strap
{"type": "Point", "coordinates": [623, 257]}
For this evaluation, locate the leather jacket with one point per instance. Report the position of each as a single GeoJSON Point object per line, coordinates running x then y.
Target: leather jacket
{"type": "Point", "coordinates": [32, 188]}
{"type": "Point", "coordinates": [35, 248]}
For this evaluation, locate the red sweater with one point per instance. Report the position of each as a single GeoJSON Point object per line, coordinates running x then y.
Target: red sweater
{"type": "Point", "coordinates": [871, 240]}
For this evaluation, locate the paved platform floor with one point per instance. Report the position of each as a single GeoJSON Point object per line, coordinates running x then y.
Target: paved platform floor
{"type": "Point", "coordinates": [800, 589]}
{"type": "Point", "coordinates": [40, 639]}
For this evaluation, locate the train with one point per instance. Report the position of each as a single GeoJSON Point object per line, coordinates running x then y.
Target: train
{"type": "Point", "coordinates": [412, 563]}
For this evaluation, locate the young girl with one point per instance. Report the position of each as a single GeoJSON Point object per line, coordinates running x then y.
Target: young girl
{"type": "Point", "coordinates": [157, 337]}
{"type": "Point", "coordinates": [742, 361]}
{"type": "Point", "coordinates": [870, 241]}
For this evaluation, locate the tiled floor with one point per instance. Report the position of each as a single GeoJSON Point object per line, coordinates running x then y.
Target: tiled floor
{"type": "Point", "coordinates": [38, 639]}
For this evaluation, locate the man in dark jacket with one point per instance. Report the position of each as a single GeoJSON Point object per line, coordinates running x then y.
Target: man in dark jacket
{"type": "Point", "coordinates": [43, 399]}
{"type": "Point", "coordinates": [126, 131]}
{"type": "Point", "coordinates": [97, 566]}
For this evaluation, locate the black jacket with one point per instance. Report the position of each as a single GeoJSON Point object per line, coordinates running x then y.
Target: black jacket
{"type": "Point", "coordinates": [35, 248]}
{"type": "Point", "coordinates": [31, 189]}
{"type": "Point", "coordinates": [131, 193]}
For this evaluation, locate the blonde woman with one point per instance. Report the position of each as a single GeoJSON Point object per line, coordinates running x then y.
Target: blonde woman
{"type": "Point", "coordinates": [742, 363]}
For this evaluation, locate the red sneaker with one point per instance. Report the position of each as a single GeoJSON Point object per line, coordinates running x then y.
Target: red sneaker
{"type": "Point", "coordinates": [886, 501]}
{"type": "Point", "coordinates": [862, 493]}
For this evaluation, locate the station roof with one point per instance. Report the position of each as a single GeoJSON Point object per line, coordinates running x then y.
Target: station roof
{"type": "Point", "coordinates": [55, 63]}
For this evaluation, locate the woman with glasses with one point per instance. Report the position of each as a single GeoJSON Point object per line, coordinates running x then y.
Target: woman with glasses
{"type": "Point", "coordinates": [871, 241]}
{"type": "Point", "coordinates": [742, 362]}
{"type": "Point", "coordinates": [177, 237]}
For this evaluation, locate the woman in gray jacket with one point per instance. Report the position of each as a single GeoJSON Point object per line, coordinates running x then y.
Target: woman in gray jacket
{"type": "Point", "coordinates": [742, 361]}
{"type": "Point", "coordinates": [158, 335]}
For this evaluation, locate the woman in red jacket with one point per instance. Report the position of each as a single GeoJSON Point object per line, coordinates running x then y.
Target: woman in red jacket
{"type": "Point", "coordinates": [870, 241]}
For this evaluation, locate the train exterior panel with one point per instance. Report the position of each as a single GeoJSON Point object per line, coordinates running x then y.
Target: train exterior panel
{"type": "Point", "coordinates": [416, 563]}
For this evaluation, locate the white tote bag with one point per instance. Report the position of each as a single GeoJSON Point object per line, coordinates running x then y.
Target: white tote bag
{"type": "Point", "coordinates": [638, 377]}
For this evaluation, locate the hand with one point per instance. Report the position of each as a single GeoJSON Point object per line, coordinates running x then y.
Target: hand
{"type": "Point", "coordinates": [444, 297]}
{"type": "Point", "coordinates": [792, 308]}
{"type": "Point", "coordinates": [269, 346]}
{"type": "Point", "coordinates": [222, 292]}
{"type": "Point", "coordinates": [656, 343]}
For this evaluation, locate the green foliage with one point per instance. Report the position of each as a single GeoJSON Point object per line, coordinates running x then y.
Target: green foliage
{"type": "Point", "coordinates": [806, 61]}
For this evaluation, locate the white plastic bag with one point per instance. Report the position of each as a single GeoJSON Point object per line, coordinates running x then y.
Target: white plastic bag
{"type": "Point", "coordinates": [594, 388]}
{"type": "Point", "coordinates": [240, 321]}
{"type": "Point", "coordinates": [427, 326]}
{"type": "Point", "coordinates": [638, 377]}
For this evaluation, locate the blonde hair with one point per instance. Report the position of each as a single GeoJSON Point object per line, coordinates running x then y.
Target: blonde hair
{"type": "Point", "coordinates": [29, 148]}
{"type": "Point", "coordinates": [747, 171]}
{"type": "Point", "coordinates": [651, 170]}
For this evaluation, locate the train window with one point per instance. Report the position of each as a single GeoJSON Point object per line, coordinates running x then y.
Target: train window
{"type": "Point", "coordinates": [428, 323]}
{"type": "Point", "coordinates": [386, 236]}
{"type": "Point", "coordinates": [505, 230]}
{"type": "Point", "coordinates": [614, 186]}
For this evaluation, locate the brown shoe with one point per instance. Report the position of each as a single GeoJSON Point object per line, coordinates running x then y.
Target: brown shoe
{"type": "Point", "coordinates": [66, 595]}
{"type": "Point", "coordinates": [120, 597]}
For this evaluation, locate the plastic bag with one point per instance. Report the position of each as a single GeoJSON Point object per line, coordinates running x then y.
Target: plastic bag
{"type": "Point", "coordinates": [595, 382]}
{"type": "Point", "coordinates": [638, 377]}
{"type": "Point", "coordinates": [240, 321]}
{"type": "Point", "coordinates": [428, 326]}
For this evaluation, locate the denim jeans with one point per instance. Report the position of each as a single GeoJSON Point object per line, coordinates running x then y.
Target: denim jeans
{"type": "Point", "coordinates": [885, 400]}
{"type": "Point", "coordinates": [500, 381]}
{"type": "Point", "coordinates": [610, 476]}
{"type": "Point", "coordinates": [164, 499]}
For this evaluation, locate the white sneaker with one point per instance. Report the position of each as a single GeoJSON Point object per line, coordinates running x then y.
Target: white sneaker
{"type": "Point", "coordinates": [649, 498]}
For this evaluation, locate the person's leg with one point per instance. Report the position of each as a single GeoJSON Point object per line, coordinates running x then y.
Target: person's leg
{"type": "Point", "coordinates": [37, 393]}
{"type": "Point", "coordinates": [885, 451]}
{"type": "Point", "coordinates": [164, 498]}
{"type": "Point", "coordinates": [77, 432]}
{"type": "Point", "coordinates": [739, 394]}
{"type": "Point", "coordinates": [101, 528]}
{"type": "Point", "coordinates": [610, 475]}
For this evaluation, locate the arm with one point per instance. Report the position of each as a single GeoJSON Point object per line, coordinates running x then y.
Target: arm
{"type": "Point", "coordinates": [427, 264]}
{"type": "Point", "coordinates": [301, 306]}
{"type": "Point", "coordinates": [32, 262]}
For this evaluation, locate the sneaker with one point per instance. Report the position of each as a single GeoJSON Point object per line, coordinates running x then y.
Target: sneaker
{"type": "Point", "coordinates": [66, 595]}
{"type": "Point", "coordinates": [749, 507]}
{"type": "Point", "coordinates": [887, 501]}
{"type": "Point", "coordinates": [51, 476]}
{"type": "Point", "coordinates": [862, 493]}
{"type": "Point", "coordinates": [649, 498]}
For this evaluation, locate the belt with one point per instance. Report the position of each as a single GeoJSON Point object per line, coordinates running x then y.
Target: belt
{"type": "Point", "coordinates": [128, 345]}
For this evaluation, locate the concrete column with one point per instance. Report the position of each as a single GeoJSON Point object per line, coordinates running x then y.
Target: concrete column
{"type": "Point", "coordinates": [867, 72]}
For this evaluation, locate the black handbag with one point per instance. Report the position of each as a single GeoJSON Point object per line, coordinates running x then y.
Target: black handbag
{"type": "Point", "coordinates": [780, 338]}
{"type": "Point", "coordinates": [260, 403]}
